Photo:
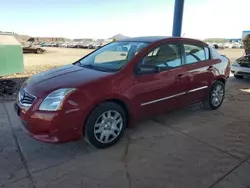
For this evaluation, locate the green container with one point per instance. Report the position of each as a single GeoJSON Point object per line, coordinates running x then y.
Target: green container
{"type": "Point", "coordinates": [11, 56]}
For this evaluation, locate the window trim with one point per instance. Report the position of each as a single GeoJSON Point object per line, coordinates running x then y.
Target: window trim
{"type": "Point", "coordinates": [179, 43]}
{"type": "Point", "coordinates": [208, 50]}
{"type": "Point", "coordinates": [201, 46]}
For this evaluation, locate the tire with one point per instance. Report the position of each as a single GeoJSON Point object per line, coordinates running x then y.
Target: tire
{"type": "Point", "coordinates": [96, 139]}
{"type": "Point", "coordinates": [238, 76]}
{"type": "Point", "coordinates": [209, 103]}
{"type": "Point", "coordinates": [39, 51]}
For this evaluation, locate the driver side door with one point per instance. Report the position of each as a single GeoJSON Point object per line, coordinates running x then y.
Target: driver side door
{"type": "Point", "coordinates": [165, 89]}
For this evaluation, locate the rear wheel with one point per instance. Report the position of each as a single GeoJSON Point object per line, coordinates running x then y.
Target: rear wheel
{"type": "Point", "coordinates": [238, 76]}
{"type": "Point", "coordinates": [216, 96]}
{"type": "Point", "coordinates": [105, 125]}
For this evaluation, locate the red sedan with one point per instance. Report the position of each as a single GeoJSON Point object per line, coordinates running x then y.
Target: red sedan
{"type": "Point", "coordinates": [106, 91]}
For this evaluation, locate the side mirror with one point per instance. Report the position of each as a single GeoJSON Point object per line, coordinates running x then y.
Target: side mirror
{"type": "Point", "coordinates": [146, 69]}
{"type": "Point", "coordinates": [123, 54]}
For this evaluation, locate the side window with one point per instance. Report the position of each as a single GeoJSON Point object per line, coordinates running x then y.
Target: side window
{"type": "Point", "coordinates": [154, 52]}
{"type": "Point", "coordinates": [167, 55]}
{"type": "Point", "coordinates": [194, 54]}
{"type": "Point", "coordinates": [207, 52]}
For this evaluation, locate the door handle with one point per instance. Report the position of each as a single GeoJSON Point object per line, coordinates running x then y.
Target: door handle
{"type": "Point", "coordinates": [210, 68]}
{"type": "Point", "coordinates": [180, 76]}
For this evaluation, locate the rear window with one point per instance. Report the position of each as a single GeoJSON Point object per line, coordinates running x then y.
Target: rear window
{"type": "Point", "coordinates": [194, 54]}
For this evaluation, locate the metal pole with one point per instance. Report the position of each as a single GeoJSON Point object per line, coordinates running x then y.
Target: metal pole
{"type": "Point", "coordinates": [178, 15]}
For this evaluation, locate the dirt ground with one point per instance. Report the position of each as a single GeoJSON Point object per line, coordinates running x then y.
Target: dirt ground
{"type": "Point", "coordinates": [232, 54]}
{"type": "Point", "coordinates": [54, 56]}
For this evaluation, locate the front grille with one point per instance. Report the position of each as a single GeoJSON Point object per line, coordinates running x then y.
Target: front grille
{"type": "Point", "coordinates": [25, 98]}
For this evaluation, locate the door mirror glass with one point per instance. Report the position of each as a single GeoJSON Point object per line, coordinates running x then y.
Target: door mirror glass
{"type": "Point", "coordinates": [147, 69]}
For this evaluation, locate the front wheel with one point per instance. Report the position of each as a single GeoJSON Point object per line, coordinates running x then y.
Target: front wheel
{"type": "Point", "coordinates": [105, 125]}
{"type": "Point", "coordinates": [216, 96]}
{"type": "Point", "coordinates": [39, 51]}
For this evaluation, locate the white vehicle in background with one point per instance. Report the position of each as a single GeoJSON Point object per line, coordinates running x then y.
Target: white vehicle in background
{"type": "Point", "coordinates": [241, 66]}
{"type": "Point", "coordinates": [226, 45]}
{"type": "Point", "coordinates": [220, 45]}
{"type": "Point", "coordinates": [241, 45]}
{"type": "Point", "coordinates": [230, 45]}
{"type": "Point", "coordinates": [233, 45]}
{"type": "Point", "coordinates": [236, 45]}
{"type": "Point", "coordinates": [213, 45]}
{"type": "Point", "coordinates": [65, 45]}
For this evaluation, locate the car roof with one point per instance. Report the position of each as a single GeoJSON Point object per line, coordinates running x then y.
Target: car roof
{"type": "Point", "coordinates": [151, 39]}
{"type": "Point", "coordinates": [145, 39]}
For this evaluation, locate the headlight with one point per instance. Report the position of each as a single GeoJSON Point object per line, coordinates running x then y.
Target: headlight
{"type": "Point", "coordinates": [54, 100]}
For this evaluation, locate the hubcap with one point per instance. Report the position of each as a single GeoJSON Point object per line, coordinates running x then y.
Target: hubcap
{"type": "Point", "coordinates": [108, 126]}
{"type": "Point", "coordinates": [217, 95]}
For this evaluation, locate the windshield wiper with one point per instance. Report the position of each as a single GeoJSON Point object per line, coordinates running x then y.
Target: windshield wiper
{"type": "Point", "coordinates": [88, 66]}
{"type": "Point", "coordinates": [104, 69]}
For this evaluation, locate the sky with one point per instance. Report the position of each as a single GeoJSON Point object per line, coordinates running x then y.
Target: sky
{"type": "Point", "coordinates": [105, 18]}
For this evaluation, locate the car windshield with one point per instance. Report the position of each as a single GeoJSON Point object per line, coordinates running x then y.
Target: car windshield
{"type": "Point", "coordinates": [113, 56]}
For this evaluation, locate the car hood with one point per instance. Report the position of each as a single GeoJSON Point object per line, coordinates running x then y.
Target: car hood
{"type": "Point", "coordinates": [243, 61]}
{"type": "Point", "coordinates": [69, 76]}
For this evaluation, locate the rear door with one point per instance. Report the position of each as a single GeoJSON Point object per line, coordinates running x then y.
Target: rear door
{"type": "Point", "coordinates": [201, 69]}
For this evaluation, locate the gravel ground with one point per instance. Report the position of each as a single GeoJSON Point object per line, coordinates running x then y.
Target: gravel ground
{"type": "Point", "coordinates": [54, 57]}
{"type": "Point", "coordinates": [18, 80]}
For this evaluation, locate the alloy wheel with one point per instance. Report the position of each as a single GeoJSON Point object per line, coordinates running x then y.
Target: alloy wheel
{"type": "Point", "coordinates": [217, 95]}
{"type": "Point", "coordinates": [108, 126]}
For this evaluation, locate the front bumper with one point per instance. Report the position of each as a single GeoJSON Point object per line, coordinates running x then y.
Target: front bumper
{"type": "Point", "coordinates": [53, 127]}
{"type": "Point", "coordinates": [237, 70]}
